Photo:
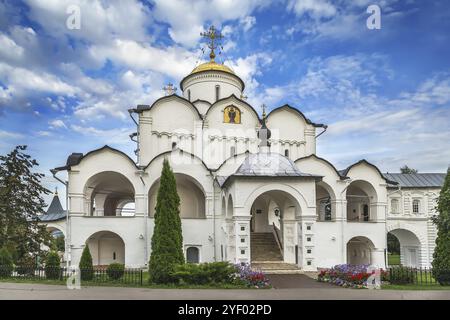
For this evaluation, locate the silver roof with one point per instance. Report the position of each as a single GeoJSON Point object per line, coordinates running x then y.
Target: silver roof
{"type": "Point", "coordinates": [55, 211]}
{"type": "Point", "coordinates": [269, 164]}
{"type": "Point", "coordinates": [417, 180]}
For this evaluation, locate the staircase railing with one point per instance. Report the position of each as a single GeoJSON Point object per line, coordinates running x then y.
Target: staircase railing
{"type": "Point", "coordinates": [277, 237]}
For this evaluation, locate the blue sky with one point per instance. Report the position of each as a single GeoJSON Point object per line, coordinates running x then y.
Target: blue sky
{"type": "Point", "coordinates": [385, 94]}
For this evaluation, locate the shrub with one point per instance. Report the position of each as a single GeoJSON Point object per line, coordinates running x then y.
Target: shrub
{"type": "Point", "coordinates": [345, 275]}
{"type": "Point", "coordinates": [115, 271]}
{"type": "Point", "coordinates": [401, 275]}
{"type": "Point", "coordinates": [250, 277]}
{"type": "Point", "coordinates": [6, 263]}
{"type": "Point", "coordinates": [52, 266]}
{"type": "Point", "coordinates": [204, 273]}
{"type": "Point", "coordinates": [167, 237]}
{"type": "Point", "coordinates": [86, 267]}
{"type": "Point", "coordinates": [26, 265]}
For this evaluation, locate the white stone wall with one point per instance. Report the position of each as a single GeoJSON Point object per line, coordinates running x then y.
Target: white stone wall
{"type": "Point", "coordinates": [415, 231]}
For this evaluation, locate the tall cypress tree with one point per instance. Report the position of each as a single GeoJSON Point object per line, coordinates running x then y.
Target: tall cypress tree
{"type": "Point", "coordinates": [167, 239]}
{"type": "Point", "coordinates": [441, 255]}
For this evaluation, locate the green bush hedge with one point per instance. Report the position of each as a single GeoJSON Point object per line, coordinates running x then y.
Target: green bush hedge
{"type": "Point", "coordinates": [401, 275]}
{"type": "Point", "coordinates": [6, 263]}
{"type": "Point", "coordinates": [205, 273]}
{"type": "Point", "coordinates": [52, 266]}
{"type": "Point", "coordinates": [115, 271]}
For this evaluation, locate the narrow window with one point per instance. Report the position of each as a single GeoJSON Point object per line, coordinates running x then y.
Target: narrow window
{"type": "Point", "coordinates": [366, 212]}
{"type": "Point", "coordinates": [286, 152]}
{"type": "Point", "coordinates": [114, 256]}
{"type": "Point", "coordinates": [416, 205]}
{"type": "Point", "coordinates": [232, 151]}
{"type": "Point", "coordinates": [217, 93]}
{"type": "Point", "coordinates": [174, 145]}
{"type": "Point", "coordinates": [189, 95]}
{"type": "Point", "coordinates": [394, 206]}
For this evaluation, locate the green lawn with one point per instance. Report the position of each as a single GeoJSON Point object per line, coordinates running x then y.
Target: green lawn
{"type": "Point", "coordinates": [414, 287]}
{"type": "Point", "coordinates": [393, 259]}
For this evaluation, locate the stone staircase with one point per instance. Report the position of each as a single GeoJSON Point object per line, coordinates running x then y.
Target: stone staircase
{"type": "Point", "coordinates": [264, 247]}
{"type": "Point", "coordinates": [266, 255]}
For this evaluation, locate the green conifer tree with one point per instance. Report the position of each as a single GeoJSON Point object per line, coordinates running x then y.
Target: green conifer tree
{"type": "Point", "coordinates": [167, 239]}
{"type": "Point", "coordinates": [441, 255]}
{"type": "Point", "coordinates": [86, 267]}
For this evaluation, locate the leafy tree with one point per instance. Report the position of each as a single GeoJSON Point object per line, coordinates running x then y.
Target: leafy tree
{"type": "Point", "coordinates": [86, 267]}
{"type": "Point", "coordinates": [393, 244]}
{"type": "Point", "coordinates": [59, 244]}
{"type": "Point", "coordinates": [6, 263]}
{"type": "Point", "coordinates": [441, 255]}
{"type": "Point", "coordinates": [20, 204]}
{"type": "Point", "coordinates": [52, 265]}
{"type": "Point", "coordinates": [406, 169]}
{"type": "Point", "coordinates": [167, 239]}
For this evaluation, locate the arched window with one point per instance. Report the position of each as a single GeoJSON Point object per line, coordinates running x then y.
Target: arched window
{"type": "Point", "coordinates": [174, 145]}
{"type": "Point", "coordinates": [286, 152]}
{"type": "Point", "coordinates": [217, 92]}
{"type": "Point", "coordinates": [192, 255]}
{"type": "Point", "coordinates": [189, 95]}
{"type": "Point", "coordinates": [365, 212]}
{"type": "Point", "coordinates": [394, 206]}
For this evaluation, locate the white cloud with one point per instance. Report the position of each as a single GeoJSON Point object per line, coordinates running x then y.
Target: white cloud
{"type": "Point", "coordinates": [172, 61]}
{"type": "Point", "coordinates": [187, 18]}
{"type": "Point", "coordinates": [247, 22]}
{"type": "Point", "coordinates": [57, 123]}
{"type": "Point", "coordinates": [110, 136]}
{"type": "Point", "coordinates": [316, 8]}
{"type": "Point", "coordinates": [100, 21]}
{"type": "Point", "coordinates": [10, 135]}
{"type": "Point", "coordinates": [9, 48]}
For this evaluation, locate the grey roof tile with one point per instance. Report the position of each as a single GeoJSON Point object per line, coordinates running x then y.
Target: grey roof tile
{"type": "Point", "coordinates": [417, 180]}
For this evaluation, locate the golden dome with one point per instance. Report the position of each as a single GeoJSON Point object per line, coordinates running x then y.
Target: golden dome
{"type": "Point", "coordinates": [212, 66]}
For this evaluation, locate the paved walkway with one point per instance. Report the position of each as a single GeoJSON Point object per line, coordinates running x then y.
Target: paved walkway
{"type": "Point", "coordinates": [11, 291]}
{"type": "Point", "coordinates": [291, 281]}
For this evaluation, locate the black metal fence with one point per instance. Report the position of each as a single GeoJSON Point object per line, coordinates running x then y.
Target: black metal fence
{"type": "Point", "coordinates": [129, 276]}
{"type": "Point", "coordinates": [408, 275]}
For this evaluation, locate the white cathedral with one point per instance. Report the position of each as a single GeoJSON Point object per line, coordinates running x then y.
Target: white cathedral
{"type": "Point", "coordinates": [252, 189]}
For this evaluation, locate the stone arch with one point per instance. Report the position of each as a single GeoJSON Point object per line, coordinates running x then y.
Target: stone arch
{"type": "Point", "coordinates": [292, 192]}
{"type": "Point", "coordinates": [325, 202]}
{"type": "Point", "coordinates": [411, 244]}
{"type": "Point", "coordinates": [106, 247]}
{"type": "Point", "coordinates": [105, 191]}
{"type": "Point", "coordinates": [361, 196]}
{"type": "Point", "coordinates": [191, 193]}
{"type": "Point", "coordinates": [272, 226]}
{"type": "Point", "coordinates": [360, 251]}
{"type": "Point", "coordinates": [53, 228]}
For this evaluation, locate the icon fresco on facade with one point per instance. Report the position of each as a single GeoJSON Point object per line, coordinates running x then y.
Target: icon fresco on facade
{"type": "Point", "coordinates": [231, 114]}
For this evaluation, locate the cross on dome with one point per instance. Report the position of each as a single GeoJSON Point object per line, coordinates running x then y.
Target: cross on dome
{"type": "Point", "coordinates": [169, 89]}
{"type": "Point", "coordinates": [213, 36]}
